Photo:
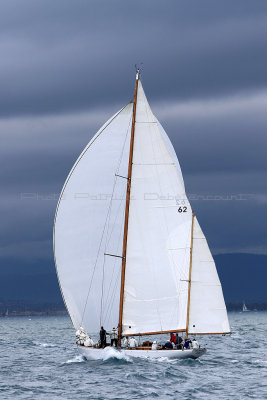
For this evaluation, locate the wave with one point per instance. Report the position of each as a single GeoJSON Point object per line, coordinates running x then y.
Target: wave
{"type": "Point", "coordinates": [259, 361]}
{"type": "Point", "coordinates": [43, 344]}
{"type": "Point", "coordinates": [75, 360]}
{"type": "Point", "coordinates": [110, 353]}
{"type": "Point", "coordinates": [163, 360]}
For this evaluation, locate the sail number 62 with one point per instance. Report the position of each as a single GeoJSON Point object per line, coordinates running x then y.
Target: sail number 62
{"type": "Point", "coordinates": [182, 209]}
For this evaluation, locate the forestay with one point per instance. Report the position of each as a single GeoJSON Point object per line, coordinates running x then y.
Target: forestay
{"type": "Point", "coordinates": [88, 224]}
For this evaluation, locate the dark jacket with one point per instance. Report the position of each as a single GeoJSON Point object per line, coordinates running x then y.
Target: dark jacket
{"type": "Point", "coordinates": [168, 345]}
{"type": "Point", "coordinates": [178, 339]}
{"type": "Point", "coordinates": [103, 334]}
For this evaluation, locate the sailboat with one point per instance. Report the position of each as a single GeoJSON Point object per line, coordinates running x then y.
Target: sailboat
{"type": "Point", "coordinates": [244, 308]}
{"type": "Point", "coordinates": [129, 251]}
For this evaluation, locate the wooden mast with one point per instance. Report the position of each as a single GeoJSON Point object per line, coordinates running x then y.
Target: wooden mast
{"type": "Point", "coordinates": [127, 210]}
{"type": "Point", "coordinates": [189, 279]}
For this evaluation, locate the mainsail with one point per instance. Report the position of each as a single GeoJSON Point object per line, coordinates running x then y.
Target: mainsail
{"type": "Point", "coordinates": [88, 236]}
{"type": "Point", "coordinates": [157, 259]}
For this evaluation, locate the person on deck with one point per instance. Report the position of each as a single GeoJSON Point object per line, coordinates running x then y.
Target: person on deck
{"type": "Point", "coordinates": [125, 342]}
{"type": "Point", "coordinates": [133, 343]}
{"type": "Point", "coordinates": [103, 337]}
{"type": "Point", "coordinates": [114, 337]}
{"type": "Point", "coordinates": [168, 345]}
{"type": "Point", "coordinates": [154, 345]}
{"type": "Point", "coordinates": [187, 343]}
{"type": "Point", "coordinates": [195, 344]}
{"type": "Point", "coordinates": [179, 340]}
{"type": "Point", "coordinates": [173, 338]}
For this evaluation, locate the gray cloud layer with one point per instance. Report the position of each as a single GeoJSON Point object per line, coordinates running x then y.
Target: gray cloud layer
{"type": "Point", "coordinates": [66, 66]}
{"type": "Point", "coordinates": [71, 55]}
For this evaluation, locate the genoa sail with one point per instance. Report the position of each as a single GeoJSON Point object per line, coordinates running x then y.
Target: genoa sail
{"type": "Point", "coordinates": [88, 224]}
{"type": "Point", "coordinates": [89, 229]}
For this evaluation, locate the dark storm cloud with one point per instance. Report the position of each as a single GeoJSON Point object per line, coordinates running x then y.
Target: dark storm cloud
{"type": "Point", "coordinates": [224, 179]}
{"type": "Point", "coordinates": [67, 66]}
{"type": "Point", "coordinates": [70, 55]}
{"type": "Point", "coordinates": [223, 136]}
{"type": "Point", "coordinates": [217, 136]}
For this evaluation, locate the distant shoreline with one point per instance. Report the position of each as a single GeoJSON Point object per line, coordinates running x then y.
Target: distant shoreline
{"type": "Point", "coordinates": [29, 313]}
{"type": "Point", "coordinates": [13, 309]}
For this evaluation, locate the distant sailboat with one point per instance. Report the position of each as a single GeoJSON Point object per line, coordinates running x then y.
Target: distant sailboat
{"type": "Point", "coordinates": [244, 308]}
{"type": "Point", "coordinates": [129, 250]}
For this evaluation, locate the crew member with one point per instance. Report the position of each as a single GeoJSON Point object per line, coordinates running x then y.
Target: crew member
{"type": "Point", "coordinates": [103, 337]}
{"type": "Point", "coordinates": [154, 345]}
{"type": "Point", "coordinates": [195, 344]}
{"type": "Point", "coordinates": [173, 338]}
{"type": "Point", "coordinates": [114, 337]}
{"type": "Point", "coordinates": [179, 340]}
{"type": "Point", "coordinates": [125, 342]}
{"type": "Point", "coordinates": [168, 345]}
{"type": "Point", "coordinates": [132, 343]}
{"type": "Point", "coordinates": [187, 343]}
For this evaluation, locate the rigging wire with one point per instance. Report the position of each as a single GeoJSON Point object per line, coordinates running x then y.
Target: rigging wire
{"type": "Point", "coordinates": [106, 219]}
{"type": "Point", "coordinates": [110, 304]}
{"type": "Point", "coordinates": [107, 223]}
{"type": "Point", "coordinates": [98, 252]}
{"type": "Point", "coordinates": [113, 269]}
{"type": "Point", "coordinates": [62, 194]}
{"type": "Point", "coordinates": [108, 313]}
{"type": "Point", "coordinates": [117, 175]}
{"type": "Point", "coordinates": [102, 289]}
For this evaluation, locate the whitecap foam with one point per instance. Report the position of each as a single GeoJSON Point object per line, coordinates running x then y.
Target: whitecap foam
{"type": "Point", "coordinates": [44, 344]}
{"type": "Point", "coordinates": [259, 361]}
{"type": "Point", "coordinates": [76, 359]}
{"type": "Point", "coordinates": [111, 352]}
{"type": "Point", "coordinates": [164, 359]}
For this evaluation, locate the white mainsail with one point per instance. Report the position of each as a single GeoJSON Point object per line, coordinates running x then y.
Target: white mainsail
{"type": "Point", "coordinates": [89, 228]}
{"type": "Point", "coordinates": [158, 245]}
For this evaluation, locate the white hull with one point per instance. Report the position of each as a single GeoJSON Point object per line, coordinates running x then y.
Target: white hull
{"type": "Point", "coordinates": [91, 353]}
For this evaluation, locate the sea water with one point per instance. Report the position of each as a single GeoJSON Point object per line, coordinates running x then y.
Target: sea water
{"type": "Point", "coordinates": [39, 360]}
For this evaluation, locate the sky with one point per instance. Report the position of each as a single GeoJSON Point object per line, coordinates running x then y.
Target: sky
{"type": "Point", "coordinates": [67, 66]}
